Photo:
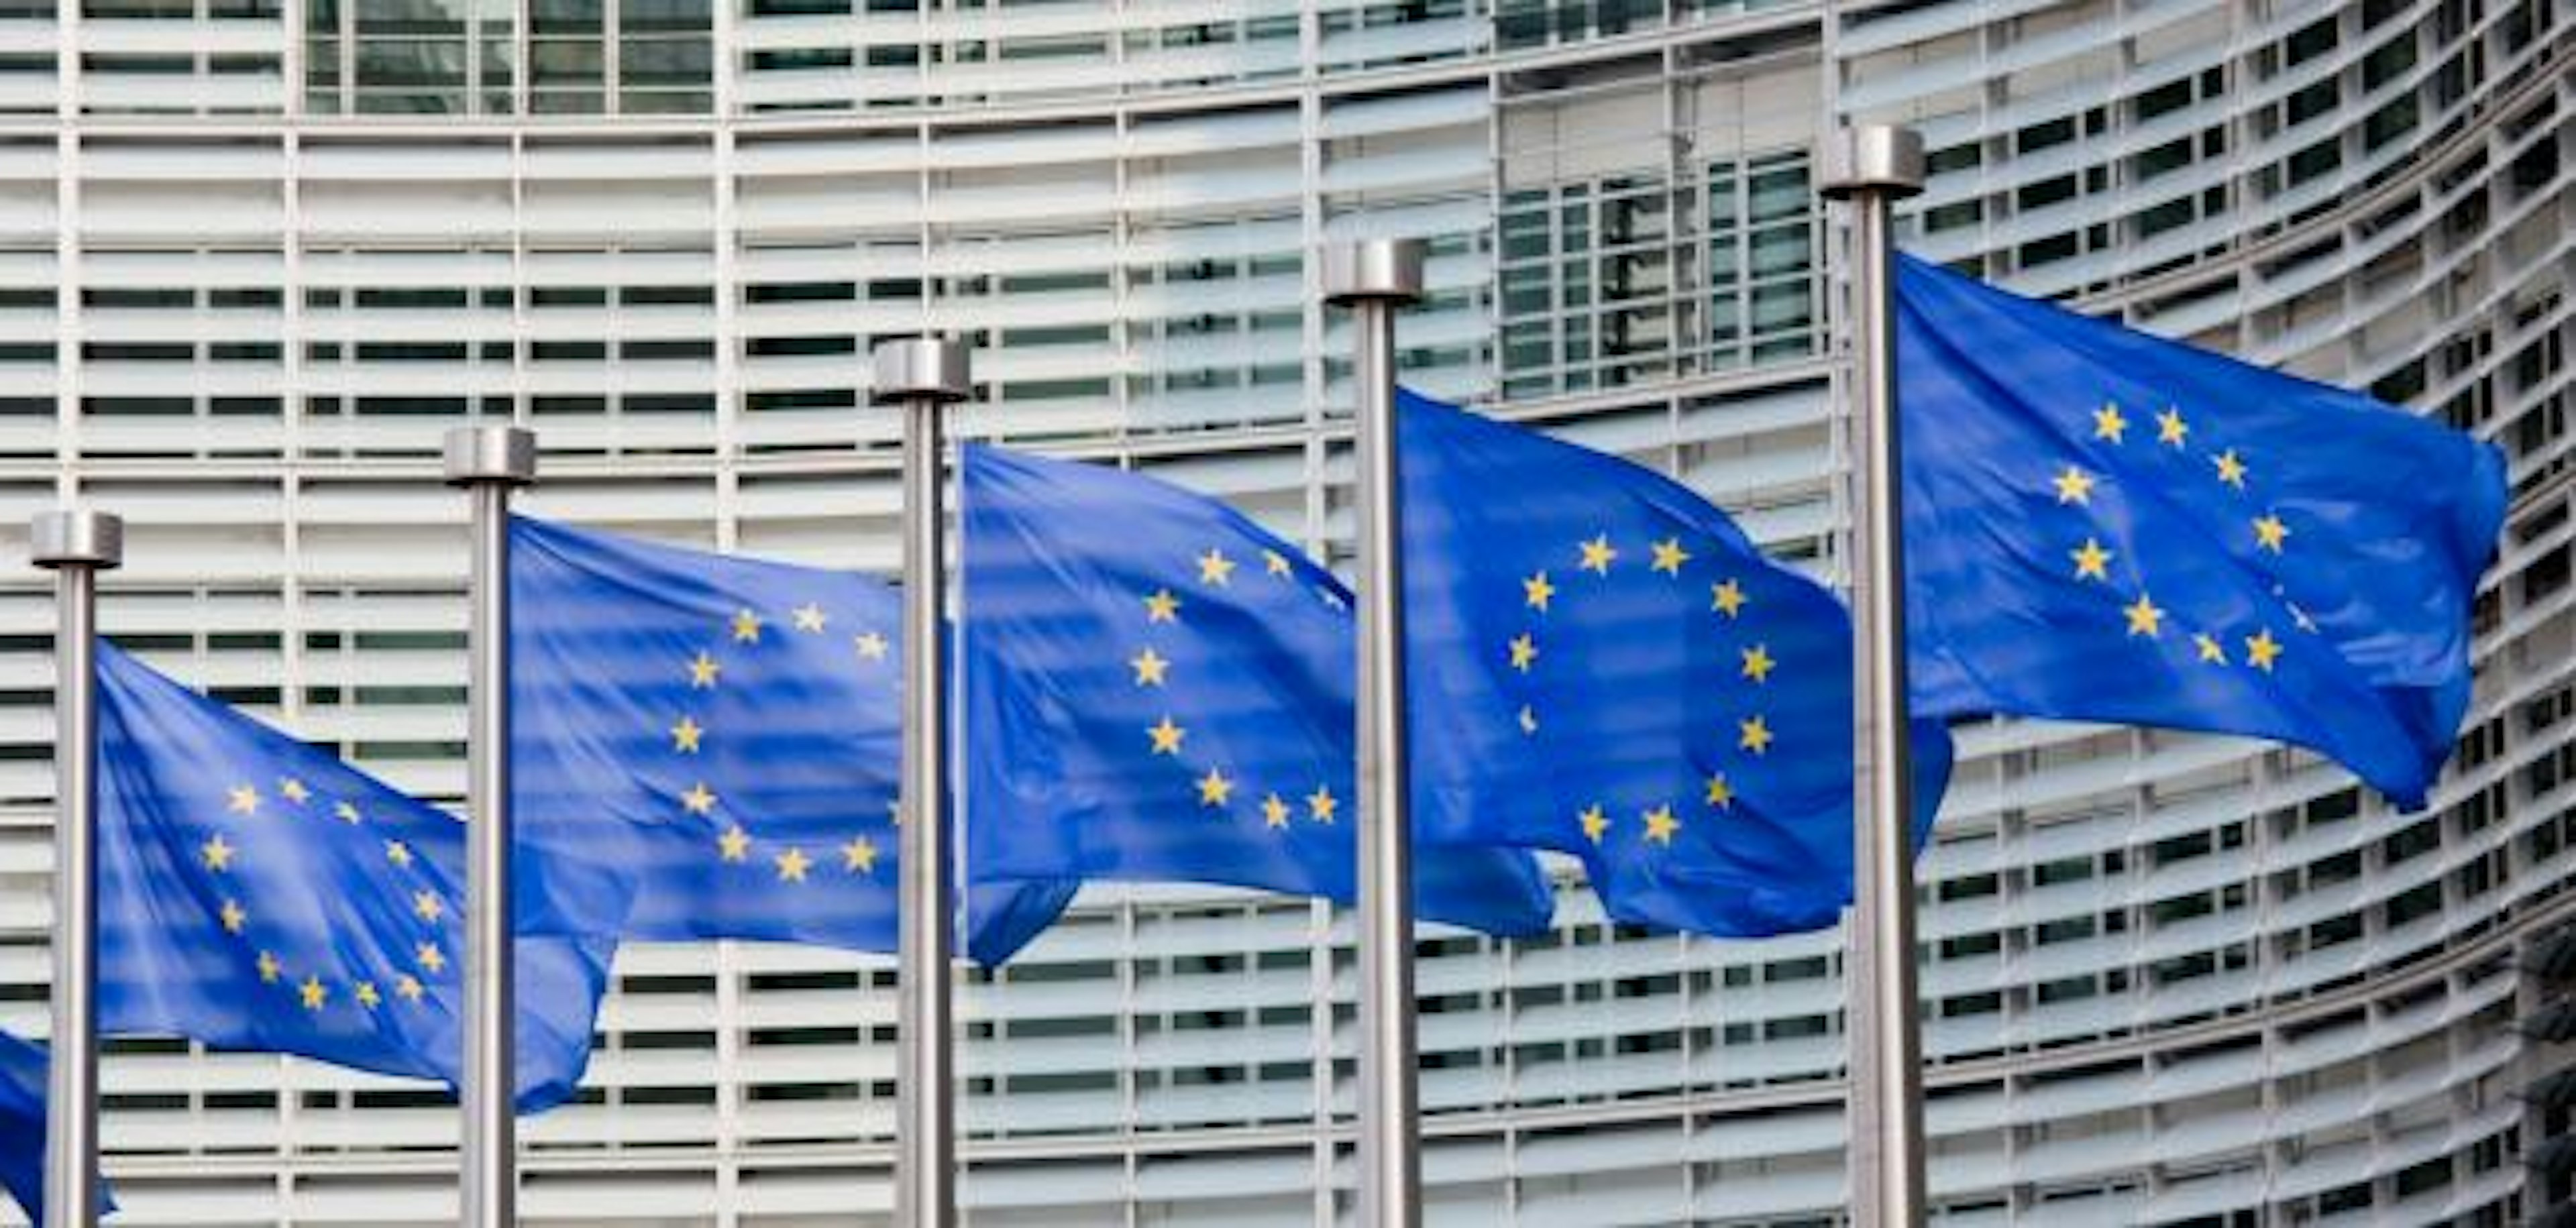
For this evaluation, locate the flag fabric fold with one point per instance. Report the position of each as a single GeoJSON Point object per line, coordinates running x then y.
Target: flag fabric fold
{"type": "Point", "coordinates": [1602, 663]}
{"type": "Point", "coordinates": [711, 747]}
{"type": "Point", "coordinates": [1156, 688]}
{"type": "Point", "coordinates": [2105, 525]}
{"type": "Point", "coordinates": [256, 893]}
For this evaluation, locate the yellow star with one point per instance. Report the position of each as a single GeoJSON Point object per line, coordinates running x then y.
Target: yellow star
{"type": "Point", "coordinates": [346, 813]}
{"type": "Point", "coordinates": [294, 791]}
{"type": "Point", "coordinates": [1721, 792]}
{"type": "Point", "coordinates": [1321, 805]}
{"type": "Point", "coordinates": [2108, 424]}
{"type": "Point", "coordinates": [427, 906]}
{"type": "Point", "coordinates": [1528, 719]}
{"type": "Point", "coordinates": [2170, 428]}
{"type": "Point", "coordinates": [809, 617]}
{"type": "Point", "coordinates": [1215, 568]}
{"type": "Point", "coordinates": [407, 987]}
{"type": "Point", "coordinates": [2211, 650]}
{"type": "Point", "coordinates": [234, 918]}
{"type": "Point", "coordinates": [269, 969]}
{"type": "Point", "coordinates": [792, 865]}
{"type": "Point", "coordinates": [398, 853]}
{"type": "Point", "coordinates": [2092, 562]}
{"type": "Point", "coordinates": [244, 800]}
{"type": "Point", "coordinates": [684, 736]}
{"type": "Point", "coordinates": [2231, 469]}
{"type": "Point", "coordinates": [217, 855]}
{"type": "Point", "coordinates": [367, 995]}
{"type": "Point", "coordinates": [1214, 788]}
{"type": "Point", "coordinates": [1537, 591]}
{"type": "Point", "coordinates": [871, 646]}
{"type": "Point", "coordinates": [1162, 607]}
{"type": "Point", "coordinates": [1275, 562]}
{"type": "Point", "coordinates": [1727, 598]}
{"type": "Point", "coordinates": [1758, 664]}
{"type": "Point", "coordinates": [734, 844]}
{"type": "Point", "coordinates": [1596, 824]}
{"type": "Point", "coordinates": [1754, 734]}
{"type": "Point", "coordinates": [2269, 532]}
{"type": "Point", "coordinates": [699, 800]}
{"type": "Point", "coordinates": [1598, 554]}
{"type": "Point", "coordinates": [746, 627]}
{"type": "Point", "coordinates": [1669, 557]}
{"type": "Point", "coordinates": [2144, 618]}
{"type": "Point", "coordinates": [429, 958]}
{"type": "Point", "coordinates": [1149, 666]}
{"type": "Point", "coordinates": [1274, 811]}
{"type": "Point", "coordinates": [1524, 651]}
{"type": "Point", "coordinates": [1167, 736]}
{"type": "Point", "coordinates": [314, 993]}
{"type": "Point", "coordinates": [702, 672]}
{"type": "Point", "coordinates": [2261, 650]}
{"type": "Point", "coordinates": [2074, 486]}
{"type": "Point", "coordinates": [859, 856]}
{"type": "Point", "coordinates": [1660, 825]}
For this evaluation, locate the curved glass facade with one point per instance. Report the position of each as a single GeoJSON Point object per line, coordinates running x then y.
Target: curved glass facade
{"type": "Point", "coordinates": [255, 257]}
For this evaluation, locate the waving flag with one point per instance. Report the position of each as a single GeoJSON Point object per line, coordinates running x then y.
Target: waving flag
{"type": "Point", "coordinates": [1155, 688]}
{"type": "Point", "coordinates": [1603, 664]}
{"type": "Point", "coordinates": [256, 893]}
{"type": "Point", "coordinates": [710, 747]}
{"type": "Point", "coordinates": [2105, 525]}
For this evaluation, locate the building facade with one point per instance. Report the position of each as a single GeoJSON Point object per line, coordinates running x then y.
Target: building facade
{"type": "Point", "coordinates": [256, 256]}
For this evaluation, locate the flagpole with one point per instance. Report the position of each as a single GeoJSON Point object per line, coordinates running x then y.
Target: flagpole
{"type": "Point", "coordinates": [489, 462]}
{"type": "Point", "coordinates": [1374, 278]}
{"type": "Point", "coordinates": [925, 375]}
{"type": "Point", "coordinates": [1874, 166]}
{"type": "Point", "coordinates": [75, 546]}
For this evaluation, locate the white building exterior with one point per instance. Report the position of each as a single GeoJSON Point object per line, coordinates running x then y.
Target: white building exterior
{"type": "Point", "coordinates": [255, 259]}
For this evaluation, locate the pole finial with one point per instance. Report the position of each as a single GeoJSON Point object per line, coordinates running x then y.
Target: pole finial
{"type": "Point", "coordinates": [912, 368]}
{"type": "Point", "coordinates": [76, 537]}
{"type": "Point", "coordinates": [493, 453]}
{"type": "Point", "coordinates": [1367, 269]}
{"type": "Point", "coordinates": [1874, 157]}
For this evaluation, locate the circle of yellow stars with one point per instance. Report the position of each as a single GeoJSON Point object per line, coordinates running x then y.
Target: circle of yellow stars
{"type": "Point", "coordinates": [1167, 737]}
{"type": "Point", "coordinates": [1668, 561]}
{"type": "Point", "coordinates": [2090, 561]}
{"type": "Point", "coordinates": [218, 858]}
{"type": "Point", "coordinates": [743, 631]}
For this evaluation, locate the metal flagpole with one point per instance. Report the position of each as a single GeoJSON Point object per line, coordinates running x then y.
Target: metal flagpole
{"type": "Point", "coordinates": [489, 462]}
{"type": "Point", "coordinates": [1374, 278]}
{"type": "Point", "coordinates": [1874, 166]}
{"type": "Point", "coordinates": [925, 375]}
{"type": "Point", "coordinates": [75, 546]}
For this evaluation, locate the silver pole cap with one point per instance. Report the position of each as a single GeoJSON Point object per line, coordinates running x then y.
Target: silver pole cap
{"type": "Point", "coordinates": [1367, 269]}
{"type": "Point", "coordinates": [1874, 157]}
{"type": "Point", "coordinates": [480, 454]}
{"type": "Point", "coordinates": [76, 537]}
{"type": "Point", "coordinates": [918, 368]}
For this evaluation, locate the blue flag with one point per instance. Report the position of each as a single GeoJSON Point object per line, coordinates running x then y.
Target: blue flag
{"type": "Point", "coordinates": [22, 1126]}
{"type": "Point", "coordinates": [2103, 525]}
{"type": "Point", "coordinates": [1603, 664]}
{"type": "Point", "coordinates": [1155, 688]}
{"type": "Point", "coordinates": [256, 893]}
{"type": "Point", "coordinates": [711, 747]}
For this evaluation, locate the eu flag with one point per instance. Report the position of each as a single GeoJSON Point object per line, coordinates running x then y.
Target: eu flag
{"type": "Point", "coordinates": [710, 747]}
{"type": "Point", "coordinates": [22, 1124]}
{"type": "Point", "coordinates": [2104, 525]}
{"type": "Point", "coordinates": [256, 893]}
{"type": "Point", "coordinates": [1155, 688]}
{"type": "Point", "coordinates": [1603, 664]}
